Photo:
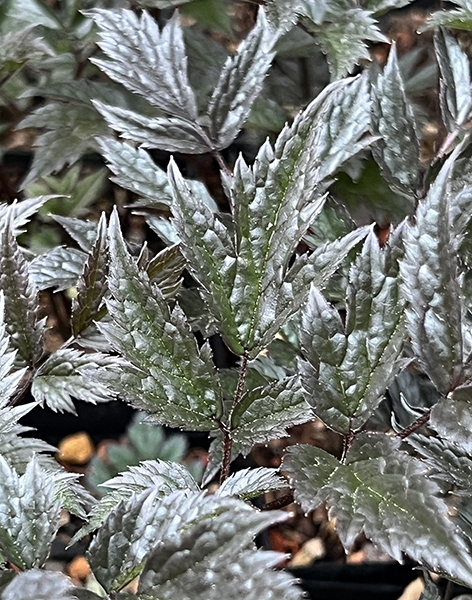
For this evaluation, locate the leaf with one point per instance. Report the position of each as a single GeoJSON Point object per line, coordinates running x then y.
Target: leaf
{"type": "Point", "coordinates": [135, 170]}
{"type": "Point", "coordinates": [72, 129]}
{"type": "Point", "coordinates": [283, 14]}
{"type": "Point", "coordinates": [29, 515]}
{"type": "Point", "coordinates": [92, 285]}
{"type": "Point", "coordinates": [21, 212]}
{"type": "Point", "coordinates": [165, 270]}
{"type": "Point", "coordinates": [250, 483]}
{"type": "Point", "coordinates": [38, 585]}
{"type": "Point", "coordinates": [451, 417]}
{"type": "Point", "coordinates": [9, 379]}
{"type": "Point", "coordinates": [159, 70]}
{"type": "Point", "coordinates": [460, 18]}
{"type": "Point", "coordinates": [383, 491]}
{"type": "Point", "coordinates": [81, 231]}
{"type": "Point", "coordinates": [63, 376]}
{"type": "Point", "coordinates": [349, 365]}
{"type": "Point", "coordinates": [21, 298]}
{"type": "Point", "coordinates": [58, 268]}
{"type": "Point", "coordinates": [240, 82]}
{"type": "Point", "coordinates": [161, 477]}
{"type": "Point", "coordinates": [170, 377]}
{"type": "Point", "coordinates": [342, 37]}
{"type": "Point", "coordinates": [454, 83]}
{"type": "Point", "coordinates": [247, 284]}
{"type": "Point", "coordinates": [397, 150]}
{"type": "Point", "coordinates": [19, 47]}
{"type": "Point", "coordinates": [429, 271]}
{"type": "Point", "coordinates": [431, 592]}
{"type": "Point", "coordinates": [379, 7]}
{"type": "Point", "coordinates": [249, 574]}
{"type": "Point", "coordinates": [210, 529]}
{"type": "Point", "coordinates": [173, 134]}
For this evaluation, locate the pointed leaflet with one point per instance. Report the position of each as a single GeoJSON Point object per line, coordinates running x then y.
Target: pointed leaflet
{"type": "Point", "coordinates": [397, 150]}
{"type": "Point", "coordinates": [21, 298]}
{"type": "Point", "coordinates": [82, 231]}
{"type": "Point", "coordinates": [162, 477]}
{"type": "Point", "coordinates": [250, 483]}
{"type": "Point", "coordinates": [173, 134]}
{"type": "Point", "coordinates": [92, 285]}
{"type": "Point", "coordinates": [454, 84]}
{"type": "Point", "coordinates": [283, 14]}
{"type": "Point", "coordinates": [22, 211]}
{"type": "Point", "coordinates": [165, 270]}
{"type": "Point", "coordinates": [169, 377]}
{"type": "Point", "coordinates": [204, 526]}
{"type": "Point", "coordinates": [385, 492]}
{"type": "Point", "coordinates": [147, 61]}
{"type": "Point", "coordinates": [29, 515]}
{"type": "Point", "coordinates": [430, 286]}
{"type": "Point", "coordinates": [9, 379]}
{"type": "Point", "coordinates": [135, 170]}
{"type": "Point", "coordinates": [349, 365]}
{"type": "Point", "coordinates": [65, 374]}
{"type": "Point", "coordinates": [460, 18]}
{"type": "Point", "coordinates": [240, 82]}
{"type": "Point", "coordinates": [247, 284]}
{"type": "Point", "coordinates": [451, 417]}
{"type": "Point", "coordinates": [59, 268]}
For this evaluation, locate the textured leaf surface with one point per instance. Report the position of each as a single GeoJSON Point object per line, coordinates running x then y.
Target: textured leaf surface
{"type": "Point", "coordinates": [240, 82]}
{"type": "Point", "coordinates": [9, 379]}
{"type": "Point", "coordinates": [38, 585]}
{"type": "Point", "coordinates": [250, 483]}
{"type": "Point", "coordinates": [452, 418]}
{"type": "Point", "coordinates": [21, 212]}
{"type": "Point", "coordinates": [59, 268]}
{"type": "Point", "coordinates": [19, 47]}
{"type": "Point", "coordinates": [454, 84]}
{"type": "Point", "coordinates": [384, 491]}
{"type": "Point", "coordinates": [460, 18]}
{"type": "Point", "coordinates": [29, 515]}
{"type": "Point", "coordinates": [62, 377]}
{"type": "Point", "coordinates": [247, 285]}
{"type": "Point", "coordinates": [397, 150]}
{"type": "Point", "coordinates": [92, 285]}
{"type": "Point", "coordinates": [21, 301]}
{"type": "Point", "coordinates": [429, 271]}
{"type": "Point", "coordinates": [169, 377]}
{"type": "Point", "coordinates": [349, 365]}
{"type": "Point", "coordinates": [135, 170]}
{"type": "Point", "coordinates": [173, 134]}
{"type": "Point", "coordinates": [83, 232]}
{"type": "Point", "coordinates": [159, 63]}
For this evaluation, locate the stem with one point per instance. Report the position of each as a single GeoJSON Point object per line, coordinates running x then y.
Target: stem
{"type": "Point", "coordinates": [347, 443]}
{"type": "Point", "coordinates": [21, 393]}
{"type": "Point", "coordinates": [219, 159]}
{"type": "Point", "coordinates": [419, 422]}
{"type": "Point", "coordinates": [284, 500]}
{"type": "Point", "coordinates": [446, 145]}
{"type": "Point", "coordinates": [228, 440]}
{"type": "Point", "coordinates": [448, 591]}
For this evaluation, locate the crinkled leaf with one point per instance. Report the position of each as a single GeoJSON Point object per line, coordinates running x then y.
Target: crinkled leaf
{"type": "Point", "coordinates": [168, 375]}
{"type": "Point", "coordinates": [92, 285]}
{"type": "Point", "coordinates": [135, 170]}
{"type": "Point", "coordinates": [250, 483]}
{"type": "Point", "coordinates": [83, 232]}
{"type": "Point", "coordinates": [38, 585]}
{"type": "Point", "coordinates": [247, 285]}
{"type": "Point", "coordinates": [454, 84]}
{"type": "Point", "coordinates": [19, 47]}
{"type": "Point", "coordinates": [283, 14]}
{"type": "Point", "coordinates": [430, 286]}
{"type": "Point", "coordinates": [157, 59]}
{"type": "Point", "coordinates": [452, 418]}
{"type": "Point", "coordinates": [240, 82]}
{"type": "Point", "coordinates": [72, 130]}
{"type": "Point", "coordinates": [397, 149]}
{"type": "Point", "coordinates": [29, 515]}
{"type": "Point", "coordinates": [385, 492]}
{"type": "Point", "coordinates": [71, 494]}
{"type": "Point", "coordinates": [59, 268]}
{"type": "Point", "coordinates": [9, 379]}
{"type": "Point", "coordinates": [460, 18]}
{"type": "Point", "coordinates": [165, 270]}
{"type": "Point", "coordinates": [62, 377]}
{"type": "Point", "coordinates": [350, 364]}
{"type": "Point", "coordinates": [22, 211]}
{"type": "Point", "coordinates": [21, 298]}
{"type": "Point", "coordinates": [342, 37]}
{"type": "Point", "coordinates": [173, 134]}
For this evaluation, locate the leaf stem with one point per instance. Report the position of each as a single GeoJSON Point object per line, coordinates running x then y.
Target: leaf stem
{"type": "Point", "coordinates": [419, 422]}
{"type": "Point", "coordinates": [228, 440]}
{"type": "Point", "coordinates": [284, 500]}
{"type": "Point", "coordinates": [347, 443]}
{"type": "Point", "coordinates": [221, 163]}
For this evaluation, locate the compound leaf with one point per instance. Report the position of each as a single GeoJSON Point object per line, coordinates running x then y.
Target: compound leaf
{"type": "Point", "coordinates": [397, 149]}
{"type": "Point", "coordinates": [167, 374]}
{"type": "Point", "coordinates": [385, 492]}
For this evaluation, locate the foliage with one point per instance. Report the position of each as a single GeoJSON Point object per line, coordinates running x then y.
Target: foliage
{"type": "Point", "coordinates": [329, 264]}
